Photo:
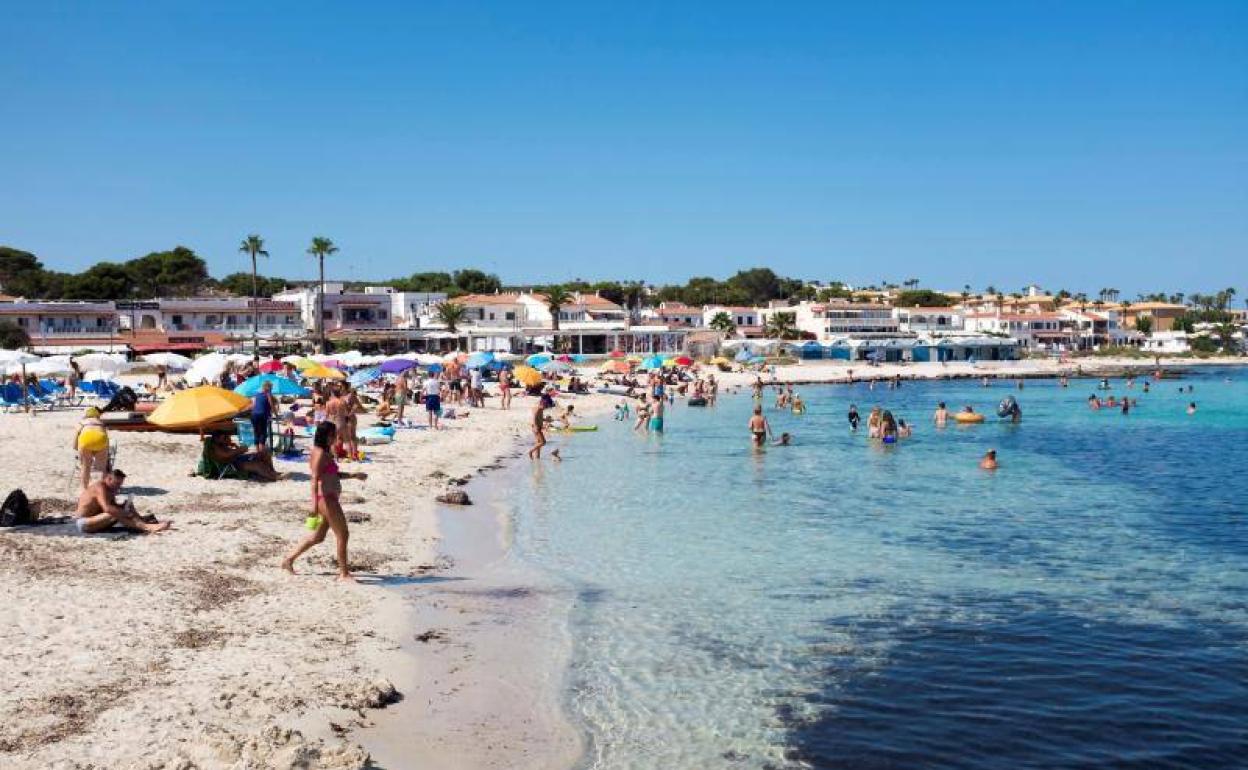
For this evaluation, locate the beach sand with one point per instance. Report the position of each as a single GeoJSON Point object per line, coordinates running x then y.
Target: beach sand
{"type": "Point", "coordinates": [192, 648]}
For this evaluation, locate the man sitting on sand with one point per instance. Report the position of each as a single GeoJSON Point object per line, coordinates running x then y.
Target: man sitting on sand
{"type": "Point", "coordinates": [98, 509]}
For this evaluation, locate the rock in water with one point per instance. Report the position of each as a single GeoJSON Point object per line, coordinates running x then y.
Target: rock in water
{"type": "Point", "coordinates": [454, 497]}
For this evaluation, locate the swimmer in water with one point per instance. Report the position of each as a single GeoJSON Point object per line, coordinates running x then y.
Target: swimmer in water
{"type": "Point", "coordinates": [759, 428]}
{"type": "Point", "coordinates": [784, 440]}
{"type": "Point", "coordinates": [799, 406]}
{"type": "Point", "coordinates": [941, 416]}
{"type": "Point", "coordinates": [989, 460]}
{"type": "Point", "coordinates": [904, 430]}
{"type": "Point", "coordinates": [1191, 408]}
{"type": "Point", "coordinates": [853, 417]}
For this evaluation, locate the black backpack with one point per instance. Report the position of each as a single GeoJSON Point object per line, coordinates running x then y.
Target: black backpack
{"type": "Point", "coordinates": [16, 510]}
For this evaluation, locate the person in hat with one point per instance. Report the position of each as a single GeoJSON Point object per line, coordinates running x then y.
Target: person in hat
{"type": "Point", "coordinates": [98, 509]}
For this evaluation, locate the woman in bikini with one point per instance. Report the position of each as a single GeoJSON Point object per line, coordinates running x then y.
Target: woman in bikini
{"type": "Point", "coordinates": [327, 509]}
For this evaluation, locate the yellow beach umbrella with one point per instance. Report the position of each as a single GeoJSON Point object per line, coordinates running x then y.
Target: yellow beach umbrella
{"type": "Point", "coordinates": [527, 376]}
{"type": "Point", "coordinates": [302, 363]}
{"type": "Point", "coordinates": [198, 407]}
{"type": "Point", "coordinates": [721, 361]}
{"type": "Point", "coordinates": [318, 372]}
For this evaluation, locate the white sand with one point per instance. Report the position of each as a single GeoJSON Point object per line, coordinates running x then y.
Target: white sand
{"type": "Point", "coordinates": [191, 648]}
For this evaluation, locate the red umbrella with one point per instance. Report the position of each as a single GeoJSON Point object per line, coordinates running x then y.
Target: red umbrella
{"type": "Point", "coordinates": [616, 354]}
{"type": "Point", "coordinates": [268, 367]}
{"type": "Point", "coordinates": [684, 361]}
{"type": "Point", "coordinates": [567, 359]}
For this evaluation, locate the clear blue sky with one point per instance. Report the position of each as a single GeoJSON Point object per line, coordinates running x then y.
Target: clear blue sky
{"type": "Point", "coordinates": [1077, 144]}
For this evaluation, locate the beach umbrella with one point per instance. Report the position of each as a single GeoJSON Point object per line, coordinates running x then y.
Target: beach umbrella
{"type": "Point", "coordinates": [556, 367]}
{"type": "Point", "coordinates": [636, 359]}
{"type": "Point", "coordinates": [282, 386]}
{"type": "Point", "coordinates": [527, 376]}
{"type": "Point", "coordinates": [50, 365]}
{"type": "Point", "coordinates": [104, 362]}
{"type": "Point", "coordinates": [497, 365]}
{"type": "Point", "coordinates": [682, 361]}
{"type": "Point", "coordinates": [434, 368]}
{"type": "Point", "coordinates": [292, 358]}
{"type": "Point", "coordinates": [169, 361]}
{"type": "Point", "coordinates": [479, 359]}
{"type": "Point", "coordinates": [206, 368]}
{"type": "Point", "coordinates": [397, 365]}
{"type": "Point", "coordinates": [564, 357]}
{"type": "Point", "coordinates": [653, 362]}
{"type": "Point", "coordinates": [617, 367]}
{"type": "Point", "coordinates": [351, 358]}
{"type": "Point", "coordinates": [505, 356]}
{"type": "Point", "coordinates": [364, 376]}
{"type": "Point", "coordinates": [198, 407]}
{"type": "Point", "coordinates": [616, 354]}
{"type": "Point", "coordinates": [537, 359]}
{"type": "Point", "coordinates": [721, 361]}
{"type": "Point", "coordinates": [318, 372]}
{"type": "Point", "coordinates": [744, 354]}
{"type": "Point", "coordinates": [272, 366]}
{"type": "Point", "coordinates": [454, 357]}
{"type": "Point", "coordinates": [428, 359]}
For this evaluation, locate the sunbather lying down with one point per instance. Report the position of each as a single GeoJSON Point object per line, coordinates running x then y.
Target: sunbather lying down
{"type": "Point", "coordinates": [98, 509]}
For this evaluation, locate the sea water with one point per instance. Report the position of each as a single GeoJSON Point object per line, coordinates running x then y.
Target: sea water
{"type": "Point", "coordinates": [840, 603]}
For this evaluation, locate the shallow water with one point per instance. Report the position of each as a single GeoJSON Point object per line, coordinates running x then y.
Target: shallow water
{"type": "Point", "coordinates": [838, 603]}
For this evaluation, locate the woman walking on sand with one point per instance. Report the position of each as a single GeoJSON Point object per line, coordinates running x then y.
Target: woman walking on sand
{"type": "Point", "coordinates": [326, 508]}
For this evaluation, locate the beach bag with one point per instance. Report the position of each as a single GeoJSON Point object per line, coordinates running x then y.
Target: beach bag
{"type": "Point", "coordinates": [16, 510]}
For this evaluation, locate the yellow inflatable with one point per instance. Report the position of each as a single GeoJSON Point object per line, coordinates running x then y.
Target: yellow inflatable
{"type": "Point", "coordinates": [968, 417]}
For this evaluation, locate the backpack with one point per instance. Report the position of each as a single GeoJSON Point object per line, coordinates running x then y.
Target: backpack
{"type": "Point", "coordinates": [16, 510]}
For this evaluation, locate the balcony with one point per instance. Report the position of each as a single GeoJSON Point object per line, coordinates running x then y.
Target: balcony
{"type": "Point", "coordinates": [75, 331]}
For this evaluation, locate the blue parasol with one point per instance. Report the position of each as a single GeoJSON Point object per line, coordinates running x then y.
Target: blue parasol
{"type": "Point", "coordinates": [364, 376]}
{"type": "Point", "coordinates": [282, 386]}
{"type": "Point", "coordinates": [479, 359]}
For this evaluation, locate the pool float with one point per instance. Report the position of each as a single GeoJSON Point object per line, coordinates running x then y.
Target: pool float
{"type": "Point", "coordinates": [697, 401]}
{"type": "Point", "coordinates": [377, 435]}
{"type": "Point", "coordinates": [579, 429]}
{"type": "Point", "coordinates": [968, 417]}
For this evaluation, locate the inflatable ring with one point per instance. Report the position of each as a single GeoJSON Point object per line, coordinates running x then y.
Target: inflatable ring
{"type": "Point", "coordinates": [968, 417]}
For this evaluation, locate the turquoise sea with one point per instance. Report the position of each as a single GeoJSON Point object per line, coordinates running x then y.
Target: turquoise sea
{"type": "Point", "coordinates": [838, 603]}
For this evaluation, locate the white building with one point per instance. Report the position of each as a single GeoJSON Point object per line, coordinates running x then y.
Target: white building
{"type": "Point", "coordinates": [409, 309]}
{"type": "Point", "coordinates": [675, 315]}
{"type": "Point", "coordinates": [1166, 343]}
{"type": "Point", "coordinates": [344, 311]}
{"type": "Point", "coordinates": [747, 320]}
{"type": "Point", "coordinates": [934, 320]}
{"type": "Point", "coordinates": [841, 318]}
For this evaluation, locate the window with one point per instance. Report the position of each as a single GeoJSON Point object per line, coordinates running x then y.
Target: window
{"type": "Point", "coordinates": [510, 316]}
{"type": "Point", "coordinates": [212, 319]}
{"type": "Point", "coordinates": [327, 315]}
{"type": "Point", "coordinates": [22, 321]}
{"type": "Point", "coordinates": [381, 314]}
{"type": "Point", "coordinates": [231, 320]}
{"type": "Point", "coordinates": [177, 320]}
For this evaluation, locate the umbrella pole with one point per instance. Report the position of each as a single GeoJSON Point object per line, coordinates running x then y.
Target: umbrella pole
{"type": "Point", "coordinates": [26, 393]}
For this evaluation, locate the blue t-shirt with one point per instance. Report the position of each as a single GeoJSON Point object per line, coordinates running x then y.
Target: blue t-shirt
{"type": "Point", "coordinates": [261, 409]}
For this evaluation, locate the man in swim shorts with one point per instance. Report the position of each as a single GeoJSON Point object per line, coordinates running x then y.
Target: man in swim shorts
{"type": "Point", "coordinates": [433, 400]}
{"type": "Point", "coordinates": [98, 508]}
{"type": "Point", "coordinates": [759, 429]}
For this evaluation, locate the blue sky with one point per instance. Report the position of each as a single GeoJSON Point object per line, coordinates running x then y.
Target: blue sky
{"type": "Point", "coordinates": [1076, 144]}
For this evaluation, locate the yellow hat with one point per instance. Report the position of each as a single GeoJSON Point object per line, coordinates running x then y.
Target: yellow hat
{"type": "Point", "coordinates": [92, 412]}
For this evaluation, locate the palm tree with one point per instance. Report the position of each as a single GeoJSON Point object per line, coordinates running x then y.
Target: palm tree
{"type": "Point", "coordinates": [556, 297]}
{"type": "Point", "coordinates": [321, 247]}
{"type": "Point", "coordinates": [452, 314]}
{"type": "Point", "coordinates": [722, 322]}
{"type": "Point", "coordinates": [254, 245]}
{"type": "Point", "coordinates": [781, 326]}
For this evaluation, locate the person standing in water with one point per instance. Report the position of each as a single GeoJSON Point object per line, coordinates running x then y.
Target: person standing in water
{"type": "Point", "coordinates": [989, 460]}
{"type": "Point", "coordinates": [759, 428]}
{"type": "Point", "coordinates": [853, 417]}
{"type": "Point", "coordinates": [941, 416]}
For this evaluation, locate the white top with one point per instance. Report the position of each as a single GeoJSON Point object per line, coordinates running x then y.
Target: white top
{"type": "Point", "coordinates": [432, 387]}
{"type": "Point", "coordinates": [476, 378]}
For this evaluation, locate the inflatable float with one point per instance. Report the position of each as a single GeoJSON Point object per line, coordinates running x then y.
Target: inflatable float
{"type": "Point", "coordinates": [579, 429]}
{"type": "Point", "coordinates": [376, 435]}
{"type": "Point", "coordinates": [968, 417]}
{"type": "Point", "coordinates": [697, 401]}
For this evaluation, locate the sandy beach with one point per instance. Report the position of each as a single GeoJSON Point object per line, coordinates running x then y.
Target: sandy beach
{"type": "Point", "coordinates": [191, 649]}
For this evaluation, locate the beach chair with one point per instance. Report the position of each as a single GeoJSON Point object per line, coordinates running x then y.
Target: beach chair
{"type": "Point", "coordinates": [209, 468]}
{"type": "Point", "coordinates": [246, 432]}
{"type": "Point", "coordinates": [13, 394]}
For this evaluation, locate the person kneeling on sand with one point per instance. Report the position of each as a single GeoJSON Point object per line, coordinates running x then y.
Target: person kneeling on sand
{"type": "Point", "coordinates": [98, 508]}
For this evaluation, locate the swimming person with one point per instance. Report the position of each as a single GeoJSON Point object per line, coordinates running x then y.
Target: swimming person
{"type": "Point", "coordinates": [799, 406]}
{"type": "Point", "coordinates": [853, 417]}
{"type": "Point", "coordinates": [904, 430]}
{"type": "Point", "coordinates": [759, 428]}
{"type": "Point", "coordinates": [941, 415]}
{"type": "Point", "coordinates": [1191, 408]}
{"type": "Point", "coordinates": [327, 511]}
{"type": "Point", "coordinates": [989, 460]}
{"type": "Point", "coordinates": [888, 428]}
{"type": "Point", "coordinates": [784, 440]}
{"type": "Point", "coordinates": [873, 422]}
